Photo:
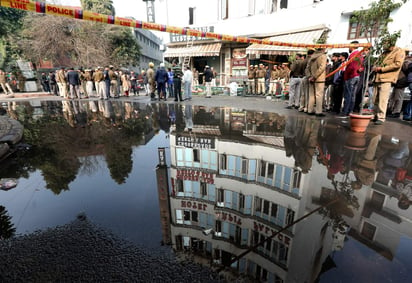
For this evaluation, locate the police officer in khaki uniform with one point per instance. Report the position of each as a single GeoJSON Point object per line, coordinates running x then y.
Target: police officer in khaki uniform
{"type": "Point", "coordinates": [260, 74]}
{"type": "Point", "coordinates": [251, 80]}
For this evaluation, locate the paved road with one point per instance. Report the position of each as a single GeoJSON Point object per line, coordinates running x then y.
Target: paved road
{"type": "Point", "coordinates": [393, 127]}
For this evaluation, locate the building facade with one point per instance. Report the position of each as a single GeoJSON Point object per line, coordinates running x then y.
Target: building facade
{"type": "Point", "coordinates": [297, 21]}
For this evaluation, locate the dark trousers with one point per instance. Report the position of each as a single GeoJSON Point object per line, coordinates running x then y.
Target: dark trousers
{"type": "Point", "coordinates": [337, 98]}
{"type": "Point", "coordinates": [177, 83]}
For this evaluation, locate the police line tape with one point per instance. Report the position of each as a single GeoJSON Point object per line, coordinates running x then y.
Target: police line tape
{"type": "Point", "coordinates": [75, 13]}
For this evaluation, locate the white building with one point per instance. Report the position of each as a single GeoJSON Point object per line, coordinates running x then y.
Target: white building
{"type": "Point", "coordinates": [298, 21]}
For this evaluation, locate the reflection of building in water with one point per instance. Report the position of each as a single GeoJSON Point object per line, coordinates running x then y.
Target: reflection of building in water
{"type": "Point", "coordinates": [232, 187]}
{"type": "Point", "coordinates": [162, 189]}
{"type": "Point", "coordinates": [385, 216]}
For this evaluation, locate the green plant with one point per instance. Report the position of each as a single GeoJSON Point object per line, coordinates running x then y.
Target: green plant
{"type": "Point", "coordinates": [373, 24]}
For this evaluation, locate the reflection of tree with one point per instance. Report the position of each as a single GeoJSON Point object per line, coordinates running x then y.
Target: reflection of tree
{"type": "Point", "coordinates": [58, 148]}
{"type": "Point", "coordinates": [7, 229]}
{"type": "Point", "coordinates": [59, 173]}
{"type": "Point", "coordinates": [119, 161]}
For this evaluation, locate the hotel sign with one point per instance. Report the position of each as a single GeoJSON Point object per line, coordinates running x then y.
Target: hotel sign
{"type": "Point", "coordinates": [174, 37]}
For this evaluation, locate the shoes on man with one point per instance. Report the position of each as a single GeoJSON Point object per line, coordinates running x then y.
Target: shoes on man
{"type": "Point", "coordinates": [311, 113]}
{"type": "Point", "coordinates": [378, 122]}
{"type": "Point", "coordinates": [289, 107]}
{"type": "Point", "coordinates": [320, 115]}
{"type": "Point", "coordinates": [395, 115]}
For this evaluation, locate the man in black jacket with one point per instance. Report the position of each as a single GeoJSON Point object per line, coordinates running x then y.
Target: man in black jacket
{"type": "Point", "coordinates": [73, 80]}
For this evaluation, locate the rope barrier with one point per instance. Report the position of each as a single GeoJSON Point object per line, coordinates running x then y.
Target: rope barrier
{"type": "Point", "coordinates": [79, 14]}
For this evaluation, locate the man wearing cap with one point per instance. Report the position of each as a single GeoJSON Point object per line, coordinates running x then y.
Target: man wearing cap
{"type": "Point", "coordinates": [317, 75]}
{"type": "Point", "coordinates": [256, 68]}
{"type": "Point", "coordinates": [260, 74]}
{"type": "Point", "coordinates": [113, 82]}
{"type": "Point", "coordinates": [177, 81]}
{"type": "Point", "coordinates": [284, 75]}
{"type": "Point", "coordinates": [274, 77]}
{"type": "Point", "coordinates": [386, 75]}
{"type": "Point", "coordinates": [304, 86]}
{"type": "Point", "coordinates": [99, 84]}
{"type": "Point", "coordinates": [89, 82]}
{"type": "Point", "coordinates": [151, 80]}
{"type": "Point", "coordinates": [208, 81]}
{"type": "Point", "coordinates": [62, 82]}
{"type": "Point", "coordinates": [251, 80]}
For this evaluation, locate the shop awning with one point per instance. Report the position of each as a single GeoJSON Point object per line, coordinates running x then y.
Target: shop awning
{"type": "Point", "coordinates": [198, 50]}
{"type": "Point", "coordinates": [309, 37]}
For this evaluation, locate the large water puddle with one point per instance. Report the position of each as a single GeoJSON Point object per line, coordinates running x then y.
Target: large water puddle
{"type": "Point", "coordinates": [278, 198]}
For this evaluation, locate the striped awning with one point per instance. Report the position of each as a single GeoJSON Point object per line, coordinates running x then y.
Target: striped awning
{"type": "Point", "coordinates": [198, 50]}
{"type": "Point", "coordinates": [309, 37]}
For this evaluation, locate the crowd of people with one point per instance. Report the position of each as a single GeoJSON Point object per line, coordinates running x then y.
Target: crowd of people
{"type": "Point", "coordinates": [315, 83]}
{"type": "Point", "coordinates": [348, 83]}
{"type": "Point", "coordinates": [99, 82]}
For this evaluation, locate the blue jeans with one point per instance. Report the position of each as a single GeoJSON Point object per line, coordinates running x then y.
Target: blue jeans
{"type": "Point", "coordinates": [349, 94]}
{"type": "Point", "coordinates": [188, 90]}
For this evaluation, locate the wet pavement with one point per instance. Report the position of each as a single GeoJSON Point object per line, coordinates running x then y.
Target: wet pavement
{"type": "Point", "coordinates": [241, 185]}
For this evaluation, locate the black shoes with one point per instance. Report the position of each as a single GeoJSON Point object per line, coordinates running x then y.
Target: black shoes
{"type": "Point", "coordinates": [320, 115]}
{"type": "Point", "coordinates": [378, 122]}
{"type": "Point", "coordinates": [395, 115]}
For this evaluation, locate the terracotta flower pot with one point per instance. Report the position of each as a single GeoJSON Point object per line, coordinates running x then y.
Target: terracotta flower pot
{"type": "Point", "coordinates": [359, 122]}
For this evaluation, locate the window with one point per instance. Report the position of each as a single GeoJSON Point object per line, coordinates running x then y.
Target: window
{"type": "Point", "coordinates": [283, 4]}
{"type": "Point", "coordinates": [357, 30]}
{"type": "Point", "coordinates": [191, 15]}
{"type": "Point", "coordinates": [224, 9]}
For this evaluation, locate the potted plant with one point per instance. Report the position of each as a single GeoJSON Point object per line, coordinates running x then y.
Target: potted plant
{"type": "Point", "coordinates": [373, 24]}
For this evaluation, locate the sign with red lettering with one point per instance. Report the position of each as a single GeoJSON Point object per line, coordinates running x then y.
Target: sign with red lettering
{"type": "Point", "coordinates": [259, 227]}
{"type": "Point", "coordinates": [60, 11]}
{"type": "Point", "coordinates": [193, 205]}
{"type": "Point", "coordinates": [224, 216]}
{"type": "Point", "coordinates": [194, 175]}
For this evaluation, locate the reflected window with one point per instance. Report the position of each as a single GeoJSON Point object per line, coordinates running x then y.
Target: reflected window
{"type": "Point", "coordinates": [194, 216]}
{"type": "Point", "coordinates": [203, 189]}
{"type": "Point", "coordinates": [274, 210]}
{"type": "Point", "coordinates": [223, 162]}
{"type": "Point", "coordinates": [266, 207]}
{"type": "Point", "coordinates": [179, 187]}
{"type": "Point", "coordinates": [196, 155]}
{"type": "Point", "coordinates": [290, 216]}
{"type": "Point", "coordinates": [244, 166]}
{"type": "Point", "coordinates": [368, 231]}
{"type": "Point", "coordinates": [258, 205]}
{"type": "Point", "coordinates": [297, 175]}
{"type": "Point", "coordinates": [186, 215]}
{"type": "Point", "coordinates": [271, 170]}
{"type": "Point", "coordinates": [262, 171]}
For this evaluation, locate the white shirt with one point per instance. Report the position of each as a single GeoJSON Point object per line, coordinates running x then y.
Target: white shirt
{"type": "Point", "coordinates": [188, 76]}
